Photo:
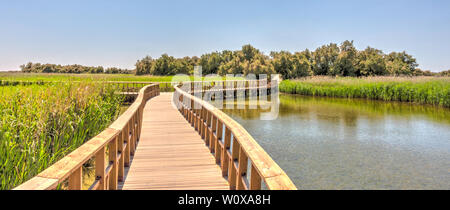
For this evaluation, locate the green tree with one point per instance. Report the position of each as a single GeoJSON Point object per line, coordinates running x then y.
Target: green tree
{"type": "Point", "coordinates": [346, 60]}
{"type": "Point", "coordinates": [324, 58]}
{"type": "Point", "coordinates": [234, 66]}
{"type": "Point", "coordinates": [282, 63]}
{"type": "Point", "coordinates": [444, 73]}
{"type": "Point", "coordinates": [259, 64]}
{"type": "Point", "coordinates": [162, 65]}
{"type": "Point", "coordinates": [301, 65]}
{"type": "Point", "coordinates": [210, 62]}
{"type": "Point", "coordinates": [400, 63]}
{"type": "Point", "coordinates": [144, 66]}
{"type": "Point", "coordinates": [371, 62]}
{"type": "Point", "coordinates": [249, 52]}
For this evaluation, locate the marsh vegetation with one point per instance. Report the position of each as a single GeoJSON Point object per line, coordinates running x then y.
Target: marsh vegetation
{"type": "Point", "coordinates": [40, 124]}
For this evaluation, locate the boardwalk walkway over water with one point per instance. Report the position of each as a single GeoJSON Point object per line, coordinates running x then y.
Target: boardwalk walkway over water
{"type": "Point", "coordinates": [171, 154]}
{"type": "Point", "coordinates": [154, 145]}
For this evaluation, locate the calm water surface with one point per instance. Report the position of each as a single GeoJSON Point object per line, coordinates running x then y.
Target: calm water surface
{"type": "Point", "coordinates": [329, 143]}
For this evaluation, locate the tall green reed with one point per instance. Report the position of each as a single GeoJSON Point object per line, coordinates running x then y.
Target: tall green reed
{"type": "Point", "coordinates": [434, 91]}
{"type": "Point", "coordinates": [40, 124]}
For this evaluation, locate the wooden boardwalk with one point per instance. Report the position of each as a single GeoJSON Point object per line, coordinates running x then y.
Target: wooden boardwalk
{"type": "Point", "coordinates": [151, 146]}
{"type": "Point", "coordinates": [170, 154]}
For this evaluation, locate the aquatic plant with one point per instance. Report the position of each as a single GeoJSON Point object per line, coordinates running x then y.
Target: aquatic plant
{"type": "Point", "coordinates": [423, 90]}
{"type": "Point", "coordinates": [40, 124]}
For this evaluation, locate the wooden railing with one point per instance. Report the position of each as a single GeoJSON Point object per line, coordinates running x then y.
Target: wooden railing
{"type": "Point", "coordinates": [117, 142]}
{"type": "Point", "coordinates": [233, 147]}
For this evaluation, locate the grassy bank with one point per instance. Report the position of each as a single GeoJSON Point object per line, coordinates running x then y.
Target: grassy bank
{"type": "Point", "coordinates": [423, 90]}
{"type": "Point", "coordinates": [48, 77]}
{"type": "Point", "coordinates": [40, 124]}
{"type": "Point", "coordinates": [19, 78]}
{"type": "Point", "coordinates": [52, 77]}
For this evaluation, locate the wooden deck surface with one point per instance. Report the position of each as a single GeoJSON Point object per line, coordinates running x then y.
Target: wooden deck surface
{"type": "Point", "coordinates": [170, 154]}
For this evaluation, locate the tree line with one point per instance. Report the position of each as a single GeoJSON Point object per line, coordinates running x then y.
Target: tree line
{"type": "Point", "coordinates": [73, 69]}
{"type": "Point", "coordinates": [331, 60]}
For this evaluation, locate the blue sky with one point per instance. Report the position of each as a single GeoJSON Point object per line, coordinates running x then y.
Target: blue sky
{"type": "Point", "coordinates": [117, 33]}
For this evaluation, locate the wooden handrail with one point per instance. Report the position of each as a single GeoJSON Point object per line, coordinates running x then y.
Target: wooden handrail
{"type": "Point", "coordinates": [232, 146]}
{"type": "Point", "coordinates": [120, 139]}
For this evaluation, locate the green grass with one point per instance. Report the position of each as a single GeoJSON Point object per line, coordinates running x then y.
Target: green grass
{"type": "Point", "coordinates": [422, 90]}
{"type": "Point", "coordinates": [19, 78]}
{"type": "Point", "coordinates": [9, 76]}
{"type": "Point", "coordinates": [40, 124]}
{"type": "Point", "coordinates": [51, 77]}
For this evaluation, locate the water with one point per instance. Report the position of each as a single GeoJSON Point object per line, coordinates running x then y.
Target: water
{"type": "Point", "coordinates": [329, 143]}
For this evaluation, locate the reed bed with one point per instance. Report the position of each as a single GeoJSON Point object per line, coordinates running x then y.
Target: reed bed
{"type": "Point", "coordinates": [40, 124]}
{"type": "Point", "coordinates": [14, 78]}
{"type": "Point", "coordinates": [50, 77]}
{"type": "Point", "coordinates": [422, 90]}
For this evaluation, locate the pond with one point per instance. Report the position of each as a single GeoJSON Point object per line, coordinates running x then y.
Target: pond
{"type": "Point", "coordinates": [333, 143]}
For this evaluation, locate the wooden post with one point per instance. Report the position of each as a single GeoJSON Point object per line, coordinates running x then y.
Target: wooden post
{"type": "Point", "coordinates": [131, 128]}
{"type": "Point", "coordinates": [218, 148]}
{"type": "Point", "coordinates": [191, 116]}
{"type": "Point", "coordinates": [225, 159]}
{"type": "Point", "coordinates": [203, 120]}
{"type": "Point", "coordinates": [140, 115]}
{"type": "Point", "coordinates": [242, 169]}
{"type": "Point", "coordinates": [183, 111]}
{"type": "Point", "coordinates": [122, 156]}
{"type": "Point", "coordinates": [133, 134]}
{"type": "Point", "coordinates": [137, 128]}
{"type": "Point", "coordinates": [232, 170]}
{"type": "Point", "coordinates": [196, 118]}
{"type": "Point", "coordinates": [208, 129]}
{"type": "Point", "coordinates": [113, 159]}
{"type": "Point", "coordinates": [76, 179]}
{"type": "Point", "coordinates": [255, 179]}
{"type": "Point", "coordinates": [199, 121]}
{"type": "Point", "coordinates": [186, 110]}
{"type": "Point", "coordinates": [193, 112]}
{"type": "Point", "coordinates": [212, 138]}
{"type": "Point", "coordinates": [100, 168]}
{"type": "Point", "coordinates": [126, 134]}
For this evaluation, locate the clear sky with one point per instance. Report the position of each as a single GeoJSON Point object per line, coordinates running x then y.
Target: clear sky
{"type": "Point", "coordinates": [117, 33]}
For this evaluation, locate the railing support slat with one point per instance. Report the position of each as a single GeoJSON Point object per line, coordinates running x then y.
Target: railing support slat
{"type": "Point", "coordinates": [242, 169]}
{"type": "Point", "coordinates": [132, 137]}
{"type": "Point", "coordinates": [226, 146]}
{"type": "Point", "coordinates": [208, 127]}
{"type": "Point", "coordinates": [100, 169]}
{"type": "Point", "coordinates": [255, 179]}
{"type": "Point", "coordinates": [121, 159]}
{"type": "Point", "coordinates": [113, 179]}
{"type": "Point", "coordinates": [76, 179]}
{"type": "Point", "coordinates": [218, 149]}
{"type": "Point", "coordinates": [126, 136]}
{"type": "Point", "coordinates": [233, 169]}
{"type": "Point", "coordinates": [212, 139]}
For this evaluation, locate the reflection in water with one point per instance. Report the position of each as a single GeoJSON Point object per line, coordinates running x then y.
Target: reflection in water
{"type": "Point", "coordinates": [329, 143]}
